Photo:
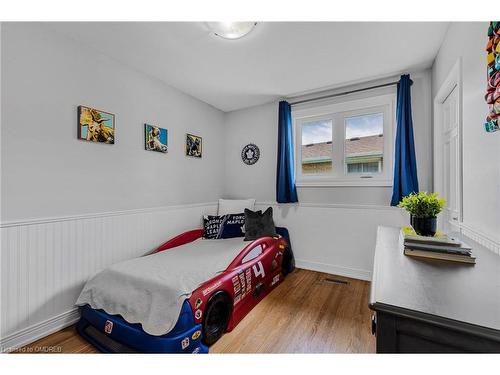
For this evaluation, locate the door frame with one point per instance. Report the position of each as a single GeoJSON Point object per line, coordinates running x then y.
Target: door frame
{"type": "Point", "coordinates": [453, 80]}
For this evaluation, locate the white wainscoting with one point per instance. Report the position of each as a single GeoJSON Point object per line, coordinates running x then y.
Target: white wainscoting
{"type": "Point", "coordinates": [480, 237]}
{"type": "Point", "coordinates": [45, 262]}
{"type": "Point", "coordinates": [335, 238]}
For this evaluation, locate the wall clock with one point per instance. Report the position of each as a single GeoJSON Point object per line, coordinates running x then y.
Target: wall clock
{"type": "Point", "coordinates": [250, 154]}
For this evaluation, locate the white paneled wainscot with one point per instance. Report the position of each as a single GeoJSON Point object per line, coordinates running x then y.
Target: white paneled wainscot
{"type": "Point", "coordinates": [45, 262]}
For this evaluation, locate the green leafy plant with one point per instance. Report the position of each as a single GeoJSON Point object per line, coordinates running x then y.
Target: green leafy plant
{"type": "Point", "coordinates": [423, 204]}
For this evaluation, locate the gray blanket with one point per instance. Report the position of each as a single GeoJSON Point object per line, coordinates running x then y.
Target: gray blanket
{"type": "Point", "coordinates": [151, 290]}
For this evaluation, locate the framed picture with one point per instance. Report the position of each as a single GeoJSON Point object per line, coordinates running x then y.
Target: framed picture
{"type": "Point", "coordinates": [193, 146]}
{"type": "Point", "coordinates": [95, 125]}
{"type": "Point", "coordinates": [155, 138]}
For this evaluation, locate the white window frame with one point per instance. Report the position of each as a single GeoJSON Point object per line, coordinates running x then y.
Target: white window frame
{"type": "Point", "coordinates": [337, 112]}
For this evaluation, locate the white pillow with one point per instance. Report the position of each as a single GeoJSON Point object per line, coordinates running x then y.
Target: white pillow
{"type": "Point", "coordinates": [234, 206]}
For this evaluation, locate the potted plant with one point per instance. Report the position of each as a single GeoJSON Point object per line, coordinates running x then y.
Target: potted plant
{"type": "Point", "coordinates": [423, 208]}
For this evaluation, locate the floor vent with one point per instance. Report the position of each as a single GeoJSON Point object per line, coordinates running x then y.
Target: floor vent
{"type": "Point", "coordinates": [335, 281]}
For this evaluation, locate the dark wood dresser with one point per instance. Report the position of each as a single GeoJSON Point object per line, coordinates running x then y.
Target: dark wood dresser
{"type": "Point", "coordinates": [425, 306]}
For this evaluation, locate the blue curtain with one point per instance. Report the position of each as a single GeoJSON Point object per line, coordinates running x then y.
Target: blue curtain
{"type": "Point", "coordinates": [405, 165]}
{"type": "Point", "coordinates": [286, 191]}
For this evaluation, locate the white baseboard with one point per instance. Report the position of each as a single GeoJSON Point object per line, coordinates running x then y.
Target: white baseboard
{"type": "Point", "coordinates": [334, 270]}
{"type": "Point", "coordinates": [39, 330]}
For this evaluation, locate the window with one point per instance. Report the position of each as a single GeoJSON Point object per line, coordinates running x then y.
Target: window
{"type": "Point", "coordinates": [371, 167]}
{"type": "Point", "coordinates": [364, 143]}
{"type": "Point", "coordinates": [317, 147]}
{"type": "Point", "coordinates": [346, 143]}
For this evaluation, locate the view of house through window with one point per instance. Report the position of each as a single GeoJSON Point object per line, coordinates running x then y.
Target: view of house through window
{"type": "Point", "coordinates": [364, 143]}
{"type": "Point", "coordinates": [345, 143]}
{"type": "Point", "coordinates": [317, 148]}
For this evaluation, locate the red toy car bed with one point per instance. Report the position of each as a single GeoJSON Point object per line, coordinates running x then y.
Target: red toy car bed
{"type": "Point", "coordinates": [215, 307]}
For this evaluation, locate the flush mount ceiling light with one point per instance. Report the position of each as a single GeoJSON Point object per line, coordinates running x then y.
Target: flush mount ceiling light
{"type": "Point", "coordinates": [231, 30]}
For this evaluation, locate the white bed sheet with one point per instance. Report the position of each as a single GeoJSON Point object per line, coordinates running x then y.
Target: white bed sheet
{"type": "Point", "coordinates": [151, 290]}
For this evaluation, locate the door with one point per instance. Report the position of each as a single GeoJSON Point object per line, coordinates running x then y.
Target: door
{"type": "Point", "coordinates": [451, 162]}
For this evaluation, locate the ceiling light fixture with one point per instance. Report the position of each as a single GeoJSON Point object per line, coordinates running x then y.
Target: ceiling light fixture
{"type": "Point", "coordinates": [231, 30]}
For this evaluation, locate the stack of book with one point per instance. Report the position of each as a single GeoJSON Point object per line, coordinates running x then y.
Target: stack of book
{"type": "Point", "coordinates": [440, 247]}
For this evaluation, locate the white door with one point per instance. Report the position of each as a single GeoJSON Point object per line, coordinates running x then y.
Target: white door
{"type": "Point", "coordinates": [451, 162]}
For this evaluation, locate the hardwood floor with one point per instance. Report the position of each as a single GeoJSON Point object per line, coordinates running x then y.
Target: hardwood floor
{"type": "Point", "coordinates": [305, 314]}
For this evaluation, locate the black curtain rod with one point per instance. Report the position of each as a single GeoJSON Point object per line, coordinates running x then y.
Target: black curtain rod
{"type": "Point", "coordinates": [345, 93]}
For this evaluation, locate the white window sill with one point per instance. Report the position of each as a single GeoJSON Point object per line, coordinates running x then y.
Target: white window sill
{"type": "Point", "coordinates": [359, 182]}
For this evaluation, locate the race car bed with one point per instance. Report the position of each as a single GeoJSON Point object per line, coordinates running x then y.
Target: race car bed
{"type": "Point", "coordinates": [184, 296]}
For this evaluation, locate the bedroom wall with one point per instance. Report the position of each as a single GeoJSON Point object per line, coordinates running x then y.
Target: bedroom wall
{"type": "Point", "coordinates": [71, 207]}
{"type": "Point", "coordinates": [321, 225]}
{"type": "Point", "coordinates": [481, 150]}
{"type": "Point", "coordinates": [48, 172]}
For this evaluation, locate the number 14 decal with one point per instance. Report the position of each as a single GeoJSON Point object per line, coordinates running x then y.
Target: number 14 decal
{"type": "Point", "coordinates": [258, 269]}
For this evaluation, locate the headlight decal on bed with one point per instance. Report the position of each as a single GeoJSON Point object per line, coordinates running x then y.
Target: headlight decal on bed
{"type": "Point", "coordinates": [198, 314]}
{"type": "Point", "coordinates": [108, 327]}
{"type": "Point", "coordinates": [185, 343]}
{"type": "Point", "coordinates": [195, 335]}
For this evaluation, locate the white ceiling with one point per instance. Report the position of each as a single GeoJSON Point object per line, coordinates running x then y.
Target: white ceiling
{"type": "Point", "coordinates": [277, 59]}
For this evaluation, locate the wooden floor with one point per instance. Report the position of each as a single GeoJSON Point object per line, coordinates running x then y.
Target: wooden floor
{"type": "Point", "coordinates": [305, 314]}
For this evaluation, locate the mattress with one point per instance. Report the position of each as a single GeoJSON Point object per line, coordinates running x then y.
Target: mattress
{"type": "Point", "coordinates": [151, 290]}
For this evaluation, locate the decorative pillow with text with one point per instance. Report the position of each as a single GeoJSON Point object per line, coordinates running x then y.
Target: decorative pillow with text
{"type": "Point", "coordinates": [225, 226]}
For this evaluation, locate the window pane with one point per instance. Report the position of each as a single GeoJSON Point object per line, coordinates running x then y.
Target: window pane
{"type": "Point", "coordinates": [364, 143]}
{"type": "Point", "coordinates": [354, 168]}
{"type": "Point", "coordinates": [370, 167]}
{"type": "Point", "coordinates": [317, 147]}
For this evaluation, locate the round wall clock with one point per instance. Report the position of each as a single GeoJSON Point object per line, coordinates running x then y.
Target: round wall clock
{"type": "Point", "coordinates": [250, 154]}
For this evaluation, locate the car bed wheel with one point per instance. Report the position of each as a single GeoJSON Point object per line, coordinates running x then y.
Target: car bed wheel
{"type": "Point", "coordinates": [216, 318]}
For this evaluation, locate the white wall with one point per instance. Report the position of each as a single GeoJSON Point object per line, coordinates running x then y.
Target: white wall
{"type": "Point", "coordinates": [71, 207]}
{"type": "Point", "coordinates": [481, 150]}
{"type": "Point", "coordinates": [334, 238]}
{"type": "Point", "coordinates": [257, 125]}
{"type": "Point", "coordinates": [48, 172]}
